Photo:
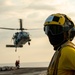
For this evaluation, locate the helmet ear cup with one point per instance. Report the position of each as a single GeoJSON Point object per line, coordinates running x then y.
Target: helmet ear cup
{"type": "Point", "coordinates": [44, 28]}
{"type": "Point", "coordinates": [72, 33]}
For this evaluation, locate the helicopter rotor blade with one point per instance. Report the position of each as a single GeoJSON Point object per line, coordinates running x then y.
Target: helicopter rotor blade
{"type": "Point", "coordinates": [8, 28]}
{"type": "Point", "coordinates": [34, 29]}
{"type": "Point", "coordinates": [21, 24]}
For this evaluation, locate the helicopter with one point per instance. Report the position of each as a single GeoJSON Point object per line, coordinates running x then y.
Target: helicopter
{"type": "Point", "coordinates": [19, 38]}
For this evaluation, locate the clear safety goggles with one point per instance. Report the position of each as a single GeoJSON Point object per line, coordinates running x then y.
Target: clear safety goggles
{"type": "Point", "coordinates": [55, 29]}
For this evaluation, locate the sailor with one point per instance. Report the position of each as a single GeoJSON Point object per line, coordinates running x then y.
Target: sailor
{"type": "Point", "coordinates": [17, 64]}
{"type": "Point", "coordinates": [60, 30]}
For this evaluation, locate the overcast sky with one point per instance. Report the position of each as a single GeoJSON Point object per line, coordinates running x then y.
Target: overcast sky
{"type": "Point", "coordinates": [34, 14]}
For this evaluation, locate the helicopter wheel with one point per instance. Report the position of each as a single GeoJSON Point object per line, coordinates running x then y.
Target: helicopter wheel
{"type": "Point", "coordinates": [28, 43]}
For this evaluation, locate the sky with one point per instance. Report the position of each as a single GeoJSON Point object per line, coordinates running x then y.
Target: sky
{"type": "Point", "coordinates": [34, 14]}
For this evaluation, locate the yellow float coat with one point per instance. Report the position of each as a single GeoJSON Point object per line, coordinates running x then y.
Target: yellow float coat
{"type": "Point", "coordinates": [66, 65]}
{"type": "Point", "coordinates": [63, 60]}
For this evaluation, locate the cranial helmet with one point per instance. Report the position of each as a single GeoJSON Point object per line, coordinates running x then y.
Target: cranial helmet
{"type": "Point", "coordinates": [56, 24]}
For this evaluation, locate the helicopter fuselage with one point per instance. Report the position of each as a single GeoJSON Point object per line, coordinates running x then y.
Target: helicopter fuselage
{"type": "Point", "coordinates": [21, 38]}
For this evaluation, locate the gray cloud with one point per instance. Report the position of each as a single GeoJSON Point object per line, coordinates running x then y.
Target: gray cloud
{"type": "Point", "coordinates": [15, 8]}
{"type": "Point", "coordinates": [40, 6]}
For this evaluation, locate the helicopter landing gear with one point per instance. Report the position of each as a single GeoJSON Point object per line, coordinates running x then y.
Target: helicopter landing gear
{"type": "Point", "coordinates": [28, 43]}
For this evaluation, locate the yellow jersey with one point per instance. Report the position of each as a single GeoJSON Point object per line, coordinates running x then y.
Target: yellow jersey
{"type": "Point", "coordinates": [63, 60]}
{"type": "Point", "coordinates": [66, 65]}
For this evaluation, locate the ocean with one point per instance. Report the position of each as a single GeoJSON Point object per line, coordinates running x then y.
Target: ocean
{"type": "Point", "coordinates": [27, 64]}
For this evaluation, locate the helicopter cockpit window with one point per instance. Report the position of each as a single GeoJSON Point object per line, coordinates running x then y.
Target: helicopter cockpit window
{"type": "Point", "coordinates": [25, 34]}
